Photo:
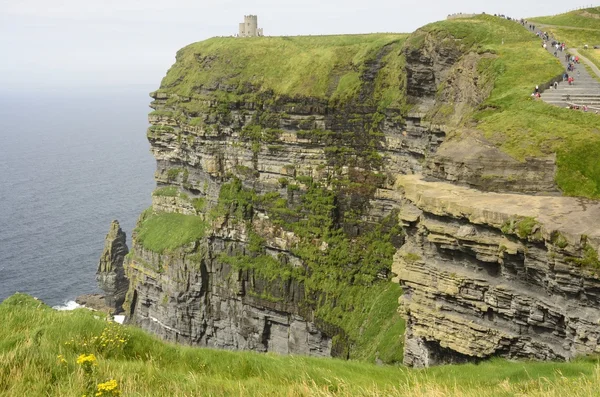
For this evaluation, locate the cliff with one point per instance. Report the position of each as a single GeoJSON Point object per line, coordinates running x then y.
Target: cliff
{"type": "Point", "coordinates": [295, 176]}
{"type": "Point", "coordinates": [263, 234]}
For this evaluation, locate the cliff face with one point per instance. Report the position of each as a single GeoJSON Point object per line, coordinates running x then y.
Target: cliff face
{"type": "Point", "coordinates": [505, 275]}
{"type": "Point", "coordinates": [283, 188]}
{"type": "Point", "coordinates": [288, 197]}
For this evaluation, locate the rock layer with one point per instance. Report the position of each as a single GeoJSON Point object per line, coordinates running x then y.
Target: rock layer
{"type": "Point", "coordinates": [490, 274]}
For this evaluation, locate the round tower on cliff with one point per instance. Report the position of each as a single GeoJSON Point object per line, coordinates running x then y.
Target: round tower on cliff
{"type": "Point", "coordinates": [251, 25]}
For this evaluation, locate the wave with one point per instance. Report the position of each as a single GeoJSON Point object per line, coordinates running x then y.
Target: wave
{"type": "Point", "coordinates": [70, 305]}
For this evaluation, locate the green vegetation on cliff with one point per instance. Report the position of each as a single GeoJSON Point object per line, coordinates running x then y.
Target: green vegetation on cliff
{"type": "Point", "coordinates": [44, 352]}
{"type": "Point", "coordinates": [165, 231]}
{"type": "Point", "coordinates": [509, 118]}
{"type": "Point", "coordinates": [320, 67]}
{"type": "Point", "coordinates": [588, 18]}
{"type": "Point", "coordinates": [345, 277]}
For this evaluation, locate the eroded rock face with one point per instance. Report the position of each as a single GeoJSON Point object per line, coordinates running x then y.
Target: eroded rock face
{"type": "Point", "coordinates": [445, 84]}
{"type": "Point", "coordinates": [472, 161]}
{"type": "Point", "coordinates": [497, 275]}
{"type": "Point", "coordinates": [474, 287]}
{"type": "Point", "coordinates": [206, 302]}
{"type": "Point", "coordinates": [191, 295]}
{"type": "Point", "coordinates": [428, 64]}
{"type": "Point", "coordinates": [111, 274]}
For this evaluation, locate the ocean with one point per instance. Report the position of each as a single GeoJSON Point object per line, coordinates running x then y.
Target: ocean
{"type": "Point", "coordinates": [70, 163]}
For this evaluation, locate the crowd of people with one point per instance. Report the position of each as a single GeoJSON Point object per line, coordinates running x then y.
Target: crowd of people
{"type": "Point", "coordinates": [546, 41]}
{"type": "Point", "coordinates": [571, 60]}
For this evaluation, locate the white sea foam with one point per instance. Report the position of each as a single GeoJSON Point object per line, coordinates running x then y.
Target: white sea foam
{"type": "Point", "coordinates": [70, 305]}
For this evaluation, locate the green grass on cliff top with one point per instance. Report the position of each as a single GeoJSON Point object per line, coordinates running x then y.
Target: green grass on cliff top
{"type": "Point", "coordinates": [39, 348]}
{"type": "Point", "coordinates": [522, 127]}
{"type": "Point", "coordinates": [588, 18]}
{"type": "Point", "coordinates": [310, 66]}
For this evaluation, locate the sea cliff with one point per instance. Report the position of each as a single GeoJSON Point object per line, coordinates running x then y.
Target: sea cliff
{"type": "Point", "coordinates": [303, 183]}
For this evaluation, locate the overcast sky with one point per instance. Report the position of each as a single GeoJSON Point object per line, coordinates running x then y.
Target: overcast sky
{"type": "Point", "coordinates": [86, 44]}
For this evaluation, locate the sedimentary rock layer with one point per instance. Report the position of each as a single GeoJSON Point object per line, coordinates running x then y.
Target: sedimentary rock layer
{"type": "Point", "coordinates": [489, 274]}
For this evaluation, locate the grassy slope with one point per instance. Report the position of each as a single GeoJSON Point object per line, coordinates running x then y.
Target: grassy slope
{"type": "Point", "coordinates": [522, 127]}
{"type": "Point", "coordinates": [586, 18]}
{"type": "Point", "coordinates": [310, 66]}
{"type": "Point", "coordinates": [32, 337]}
{"type": "Point", "coordinates": [594, 56]}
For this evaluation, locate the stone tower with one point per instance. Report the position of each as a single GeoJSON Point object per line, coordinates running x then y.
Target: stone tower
{"type": "Point", "coordinates": [249, 28]}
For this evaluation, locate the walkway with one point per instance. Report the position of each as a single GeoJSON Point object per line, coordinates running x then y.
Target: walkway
{"type": "Point", "coordinates": [584, 91]}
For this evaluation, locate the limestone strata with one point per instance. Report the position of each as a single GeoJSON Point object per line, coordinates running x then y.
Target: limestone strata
{"type": "Point", "coordinates": [111, 274]}
{"type": "Point", "coordinates": [196, 299]}
{"type": "Point", "coordinates": [489, 274]}
{"type": "Point", "coordinates": [267, 142]}
{"type": "Point", "coordinates": [472, 161]}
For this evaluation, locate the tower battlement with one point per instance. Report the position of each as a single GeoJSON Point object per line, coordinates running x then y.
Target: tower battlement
{"type": "Point", "coordinates": [249, 28]}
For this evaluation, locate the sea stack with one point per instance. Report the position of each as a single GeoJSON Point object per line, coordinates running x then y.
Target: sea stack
{"type": "Point", "coordinates": [111, 275]}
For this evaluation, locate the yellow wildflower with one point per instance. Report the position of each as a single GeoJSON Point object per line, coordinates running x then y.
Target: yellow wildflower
{"type": "Point", "coordinates": [109, 388]}
{"type": "Point", "coordinates": [86, 358]}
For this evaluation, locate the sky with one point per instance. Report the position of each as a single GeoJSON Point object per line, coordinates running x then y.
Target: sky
{"type": "Point", "coordinates": [52, 45]}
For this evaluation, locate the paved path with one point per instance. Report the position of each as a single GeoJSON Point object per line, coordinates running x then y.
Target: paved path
{"type": "Point", "coordinates": [585, 60]}
{"type": "Point", "coordinates": [584, 91]}
{"type": "Point", "coordinates": [542, 26]}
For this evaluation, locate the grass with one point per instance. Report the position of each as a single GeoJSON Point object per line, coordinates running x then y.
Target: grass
{"type": "Point", "coordinates": [168, 191]}
{"type": "Point", "coordinates": [307, 66]}
{"type": "Point", "coordinates": [586, 18]}
{"type": "Point", "coordinates": [377, 330]}
{"type": "Point", "coordinates": [577, 37]}
{"type": "Point", "coordinates": [594, 56]}
{"type": "Point", "coordinates": [39, 348]}
{"type": "Point", "coordinates": [168, 231]}
{"type": "Point", "coordinates": [519, 126]}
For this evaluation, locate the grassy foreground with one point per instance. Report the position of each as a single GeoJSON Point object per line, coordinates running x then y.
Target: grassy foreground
{"type": "Point", "coordinates": [48, 353]}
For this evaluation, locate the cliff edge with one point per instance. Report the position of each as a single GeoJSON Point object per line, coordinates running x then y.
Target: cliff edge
{"type": "Point", "coordinates": [302, 181]}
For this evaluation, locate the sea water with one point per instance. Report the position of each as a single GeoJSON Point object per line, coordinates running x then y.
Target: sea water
{"type": "Point", "coordinates": [70, 163]}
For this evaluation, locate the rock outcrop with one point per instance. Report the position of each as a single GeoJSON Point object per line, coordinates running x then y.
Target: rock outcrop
{"type": "Point", "coordinates": [497, 275]}
{"type": "Point", "coordinates": [244, 168]}
{"type": "Point", "coordinates": [277, 214]}
{"type": "Point", "coordinates": [111, 274]}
